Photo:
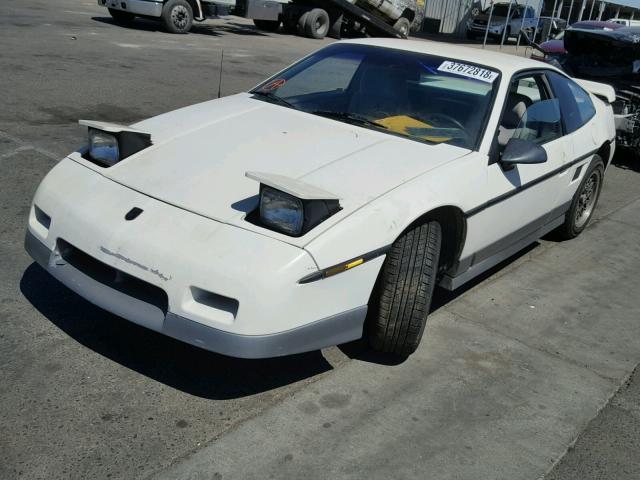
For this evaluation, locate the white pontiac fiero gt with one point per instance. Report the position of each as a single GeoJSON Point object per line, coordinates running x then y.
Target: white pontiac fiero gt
{"type": "Point", "coordinates": [342, 189]}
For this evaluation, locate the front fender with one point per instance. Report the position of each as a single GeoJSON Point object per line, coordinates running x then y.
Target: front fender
{"type": "Point", "coordinates": [382, 221]}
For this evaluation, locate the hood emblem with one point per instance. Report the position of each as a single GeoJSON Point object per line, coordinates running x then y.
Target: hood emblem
{"type": "Point", "coordinates": [133, 213]}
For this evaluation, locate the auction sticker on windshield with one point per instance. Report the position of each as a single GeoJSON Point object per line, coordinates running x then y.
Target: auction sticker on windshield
{"type": "Point", "coordinates": [469, 71]}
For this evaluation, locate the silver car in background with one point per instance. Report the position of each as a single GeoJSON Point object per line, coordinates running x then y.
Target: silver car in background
{"type": "Point", "coordinates": [521, 17]}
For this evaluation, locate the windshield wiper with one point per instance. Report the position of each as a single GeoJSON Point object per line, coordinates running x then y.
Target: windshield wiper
{"type": "Point", "coordinates": [273, 98]}
{"type": "Point", "coordinates": [349, 118]}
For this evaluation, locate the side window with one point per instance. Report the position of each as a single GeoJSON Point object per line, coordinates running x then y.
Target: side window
{"type": "Point", "coordinates": [529, 113]}
{"type": "Point", "coordinates": [329, 74]}
{"type": "Point", "coordinates": [575, 104]}
{"type": "Point", "coordinates": [530, 13]}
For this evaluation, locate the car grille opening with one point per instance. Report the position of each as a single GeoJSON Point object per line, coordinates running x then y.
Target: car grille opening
{"type": "Point", "coordinates": [215, 301]}
{"type": "Point", "coordinates": [112, 277]}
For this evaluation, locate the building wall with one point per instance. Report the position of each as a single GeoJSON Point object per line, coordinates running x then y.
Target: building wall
{"type": "Point", "coordinates": [453, 14]}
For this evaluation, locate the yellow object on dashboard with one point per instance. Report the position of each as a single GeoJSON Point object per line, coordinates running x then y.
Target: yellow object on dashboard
{"type": "Point", "coordinates": [402, 123]}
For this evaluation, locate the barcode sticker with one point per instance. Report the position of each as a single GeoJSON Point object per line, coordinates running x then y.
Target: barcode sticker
{"type": "Point", "coordinates": [469, 71]}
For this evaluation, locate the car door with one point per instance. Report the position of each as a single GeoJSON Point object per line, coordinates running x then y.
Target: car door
{"type": "Point", "coordinates": [518, 201]}
{"type": "Point", "coordinates": [579, 121]}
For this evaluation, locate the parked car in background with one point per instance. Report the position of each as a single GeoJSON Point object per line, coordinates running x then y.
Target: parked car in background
{"type": "Point", "coordinates": [612, 57]}
{"type": "Point", "coordinates": [549, 27]}
{"type": "Point", "coordinates": [554, 48]}
{"type": "Point", "coordinates": [339, 193]}
{"type": "Point", "coordinates": [626, 22]}
{"type": "Point", "coordinates": [521, 17]}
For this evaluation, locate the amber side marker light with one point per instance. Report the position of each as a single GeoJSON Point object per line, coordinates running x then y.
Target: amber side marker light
{"type": "Point", "coordinates": [343, 266]}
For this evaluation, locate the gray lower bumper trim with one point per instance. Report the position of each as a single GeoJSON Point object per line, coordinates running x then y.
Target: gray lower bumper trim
{"type": "Point", "coordinates": [341, 328]}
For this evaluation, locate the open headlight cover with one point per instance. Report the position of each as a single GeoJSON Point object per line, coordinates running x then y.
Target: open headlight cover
{"type": "Point", "coordinates": [103, 147]}
{"type": "Point", "coordinates": [110, 143]}
{"type": "Point", "coordinates": [285, 213]}
{"type": "Point", "coordinates": [281, 211]}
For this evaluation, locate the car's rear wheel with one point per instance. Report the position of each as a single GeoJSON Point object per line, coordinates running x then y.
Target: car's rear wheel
{"type": "Point", "coordinates": [402, 297]}
{"type": "Point", "coordinates": [121, 17]}
{"type": "Point", "coordinates": [317, 23]}
{"type": "Point", "coordinates": [177, 16]}
{"type": "Point", "coordinates": [267, 25]}
{"type": "Point", "coordinates": [584, 201]}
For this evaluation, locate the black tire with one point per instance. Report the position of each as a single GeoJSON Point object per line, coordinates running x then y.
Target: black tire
{"type": "Point", "coordinates": [584, 201]}
{"type": "Point", "coordinates": [177, 16]}
{"type": "Point", "coordinates": [471, 35]}
{"type": "Point", "coordinates": [301, 22]}
{"type": "Point", "coordinates": [121, 17]}
{"type": "Point", "coordinates": [402, 26]}
{"type": "Point", "coordinates": [317, 23]}
{"type": "Point", "coordinates": [400, 303]}
{"type": "Point", "coordinates": [267, 25]}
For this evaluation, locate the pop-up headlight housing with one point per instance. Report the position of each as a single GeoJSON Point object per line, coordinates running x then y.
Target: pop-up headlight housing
{"type": "Point", "coordinates": [110, 143]}
{"type": "Point", "coordinates": [290, 206]}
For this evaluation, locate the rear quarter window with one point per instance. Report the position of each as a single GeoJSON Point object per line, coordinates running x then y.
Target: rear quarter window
{"type": "Point", "coordinates": [575, 103]}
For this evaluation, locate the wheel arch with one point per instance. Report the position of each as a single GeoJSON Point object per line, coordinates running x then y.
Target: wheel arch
{"type": "Point", "coordinates": [605, 152]}
{"type": "Point", "coordinates": [454, 231]}
{"type": "Point", "coordinates": [195, 8]}
{"type": "Point", "coordinates": [409, 14]}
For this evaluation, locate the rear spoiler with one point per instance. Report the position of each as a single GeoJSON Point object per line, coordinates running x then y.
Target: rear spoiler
{"type": "Point", "coordinates": [292, 186]}
{"type": "Point", "coordinates": [604, 92]}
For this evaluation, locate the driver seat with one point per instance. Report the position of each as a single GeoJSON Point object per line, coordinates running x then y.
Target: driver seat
{"type": "Point", "coordinates": [382, 92]}
{"type": "Point", "coordinates": [515, 110]}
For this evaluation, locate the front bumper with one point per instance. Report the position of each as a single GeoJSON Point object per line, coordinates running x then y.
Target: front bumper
{"type": "Point", "coordinates": [148, 8]}
{"type": "Point", "coordinates": [334, 330]}
{"type": "Point", "coordinates": [210, 284]}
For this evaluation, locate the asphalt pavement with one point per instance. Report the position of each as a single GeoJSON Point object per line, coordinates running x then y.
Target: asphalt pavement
{"type": "Point", "coordinates": [526, 372]}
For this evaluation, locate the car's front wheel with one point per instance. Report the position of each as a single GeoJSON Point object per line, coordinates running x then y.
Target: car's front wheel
{"type": "Point", "coordinates": [401, 300]}
{"type": "Point", "coordinates": [584, 201]}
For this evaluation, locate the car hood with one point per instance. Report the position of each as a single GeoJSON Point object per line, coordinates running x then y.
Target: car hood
{"type": "Point", "coordinates": [201, 153]}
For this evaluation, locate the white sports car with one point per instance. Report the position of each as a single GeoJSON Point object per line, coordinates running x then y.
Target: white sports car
{"type": "Point", "coordinates": [327, 202]}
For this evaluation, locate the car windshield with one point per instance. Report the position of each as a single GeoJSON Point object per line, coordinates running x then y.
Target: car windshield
{"type": "Point", "coordinates": [421, 97]}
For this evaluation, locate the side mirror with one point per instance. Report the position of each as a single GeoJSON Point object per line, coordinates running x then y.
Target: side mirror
{"type": "Point", "coordinates": [522, 151]}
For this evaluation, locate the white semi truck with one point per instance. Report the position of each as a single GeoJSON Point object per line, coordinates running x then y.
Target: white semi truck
{"type": "Point", "coordinates": [311, 18]}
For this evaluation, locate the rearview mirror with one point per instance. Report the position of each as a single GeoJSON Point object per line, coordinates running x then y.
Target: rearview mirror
{"type": "Point", "coordinates": [522, 151]}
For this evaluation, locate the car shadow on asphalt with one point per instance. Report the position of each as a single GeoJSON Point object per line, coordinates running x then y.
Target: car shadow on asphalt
{"type": "Point", "coordinates": [197, 28]}
{"type": "Point", "coordinates": [627, 160]}
{"type": "Point", "coordinates": [174, 363]}
{"type": "Point", "coordinates": [360, 349]}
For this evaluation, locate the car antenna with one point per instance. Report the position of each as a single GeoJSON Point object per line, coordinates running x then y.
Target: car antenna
{"type": "Point", "coordinates": [220, 74]}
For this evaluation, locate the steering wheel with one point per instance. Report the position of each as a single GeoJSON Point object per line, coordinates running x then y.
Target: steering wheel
{"type": "Point", "coordinates": [448, 119]}
{"type": "Point", "coordinates": [442, 120]}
